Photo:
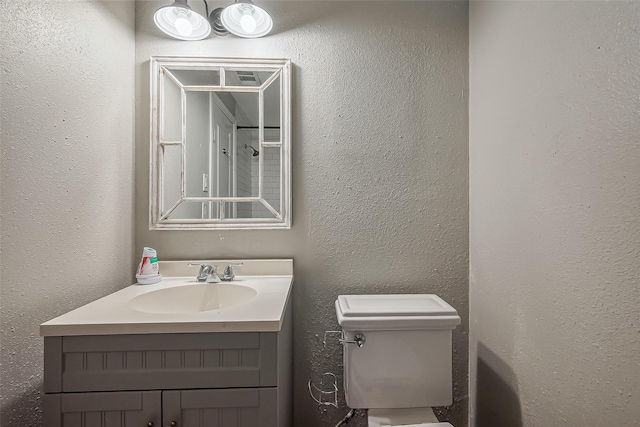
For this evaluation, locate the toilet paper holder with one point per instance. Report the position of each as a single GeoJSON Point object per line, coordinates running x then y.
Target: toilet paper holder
{"type": "Point", "coordinates": [327, 393]}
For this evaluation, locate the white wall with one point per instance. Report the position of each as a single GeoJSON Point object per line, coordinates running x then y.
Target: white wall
{"type": "Point", "coordinates": [66, 175]}
{"type": "Point", "coordinates": [554, 213]}
{"type": "Point", "coordinates": [379, 192]}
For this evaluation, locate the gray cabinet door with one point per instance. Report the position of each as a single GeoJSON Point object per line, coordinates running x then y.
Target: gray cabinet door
{"type": "Point", "coordinates": [117, 409]}
{"type": "Point", "coordinates": [253, 407]}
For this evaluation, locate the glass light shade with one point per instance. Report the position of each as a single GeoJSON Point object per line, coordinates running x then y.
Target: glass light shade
{"type": "Point", "coordinates": [179, 21]}
{"type": "Point", "coordinates": [245, 19]}
{"type": "Point", "coordinates": [248, 23]}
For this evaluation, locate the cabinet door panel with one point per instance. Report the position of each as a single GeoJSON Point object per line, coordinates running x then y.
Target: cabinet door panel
{"type": "Point", "coordinates": [118, 409]}
{"type": "Point", "coordinates": [221, 408]}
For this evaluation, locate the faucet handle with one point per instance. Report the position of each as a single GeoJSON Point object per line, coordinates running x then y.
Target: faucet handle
{"type": "Point", "coordinates": [228, 275]}
{"type": "Point", "coordinates": [229, 268]}
{"type": "Point", "coordinates": [207, 273]}
{"type": "Point", "coordinates": [202, 267]}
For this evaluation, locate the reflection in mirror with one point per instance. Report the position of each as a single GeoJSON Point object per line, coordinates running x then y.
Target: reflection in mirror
{"type": "Point", "coordinates": [246, 77]}
{"type": "Point", "coordinates": [252, 210]}
{"type": "Point", "coordinates": [272, 114]}
{"type": "Point", "coordinates": [196, 77]}
{"type": "Point", "coordinates": [197, 143]}
{"type": "Point", "coordinates": [192, 210]}
{"type": "Point", "coordinates": [171, 110]}
{"type": "Point", "coordinates": [271, 185]}
{"type": "Point", "coordinates": [221, 140]}
{"type": "Point", "coordinates": [171, 170]}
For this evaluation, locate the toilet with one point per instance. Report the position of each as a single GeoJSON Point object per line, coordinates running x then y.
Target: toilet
{"type": "Point", "coordinates": [397, 356]}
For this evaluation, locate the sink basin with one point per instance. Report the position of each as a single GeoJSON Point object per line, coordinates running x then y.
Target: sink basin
{"type": "Point", "coordinates": [193, 298]}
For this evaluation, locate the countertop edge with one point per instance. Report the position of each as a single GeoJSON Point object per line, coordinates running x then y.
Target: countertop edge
{"type": "Point", "coordinates": [159, 328]}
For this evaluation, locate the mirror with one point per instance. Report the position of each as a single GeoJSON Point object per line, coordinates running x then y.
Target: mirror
{"type": "Point", "coordinates": [220, 143]}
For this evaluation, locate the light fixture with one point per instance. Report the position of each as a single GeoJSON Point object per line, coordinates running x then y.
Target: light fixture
{"type": "Point", "coordinates": [216, 23]}
{"type": "Point", "coordinates": [245, 19]}
{"type": "Point", "coordinates": [181, 22]}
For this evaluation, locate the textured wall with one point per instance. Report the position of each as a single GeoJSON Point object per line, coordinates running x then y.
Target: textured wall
{"type": "Point", "coordinates": [66, 175]}
{"type": "Point", "coordinates": [555, 199]}
{"type": "Point", "coordinates": [379, 164]}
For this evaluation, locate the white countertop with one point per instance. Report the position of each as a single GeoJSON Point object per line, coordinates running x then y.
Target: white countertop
{"type": "Point", "coordinates": [112, 315]}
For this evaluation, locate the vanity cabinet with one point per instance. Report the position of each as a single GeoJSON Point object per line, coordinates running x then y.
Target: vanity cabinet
{"type": "Point", "coordinates": [220, 379]}
{"type": "Point", "coordinates": [119, 409]}
{"type": "Point", "coordinates": [251, 407]}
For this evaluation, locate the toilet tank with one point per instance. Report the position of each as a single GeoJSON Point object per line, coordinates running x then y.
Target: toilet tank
{"type": "Point", "coordinates": [405, 360]}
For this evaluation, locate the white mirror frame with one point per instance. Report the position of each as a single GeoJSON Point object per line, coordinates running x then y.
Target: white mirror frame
{"type": "Point", "coordinates": [159, 220]}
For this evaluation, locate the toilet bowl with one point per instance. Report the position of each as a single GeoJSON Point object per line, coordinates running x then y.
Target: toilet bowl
{"type": "Point", "coordinates": [397, 356]}
{"type": "Point", "coordinates": [405, 417]}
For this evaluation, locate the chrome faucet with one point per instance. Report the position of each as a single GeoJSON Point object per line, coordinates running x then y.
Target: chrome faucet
{"type": "Point", "coordinates": [207, 273]}
{"type": "Point", "coordinates": [227, 275]}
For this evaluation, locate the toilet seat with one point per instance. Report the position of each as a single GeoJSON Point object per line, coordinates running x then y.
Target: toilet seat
{"type": "Point", "coordinates": [404, 417]}
{"type": "Point", "coordinates": [420, 425]}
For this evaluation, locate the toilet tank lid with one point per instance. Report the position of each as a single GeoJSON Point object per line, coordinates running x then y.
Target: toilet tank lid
{"type": "Point", "coordinates": [398, 311]}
